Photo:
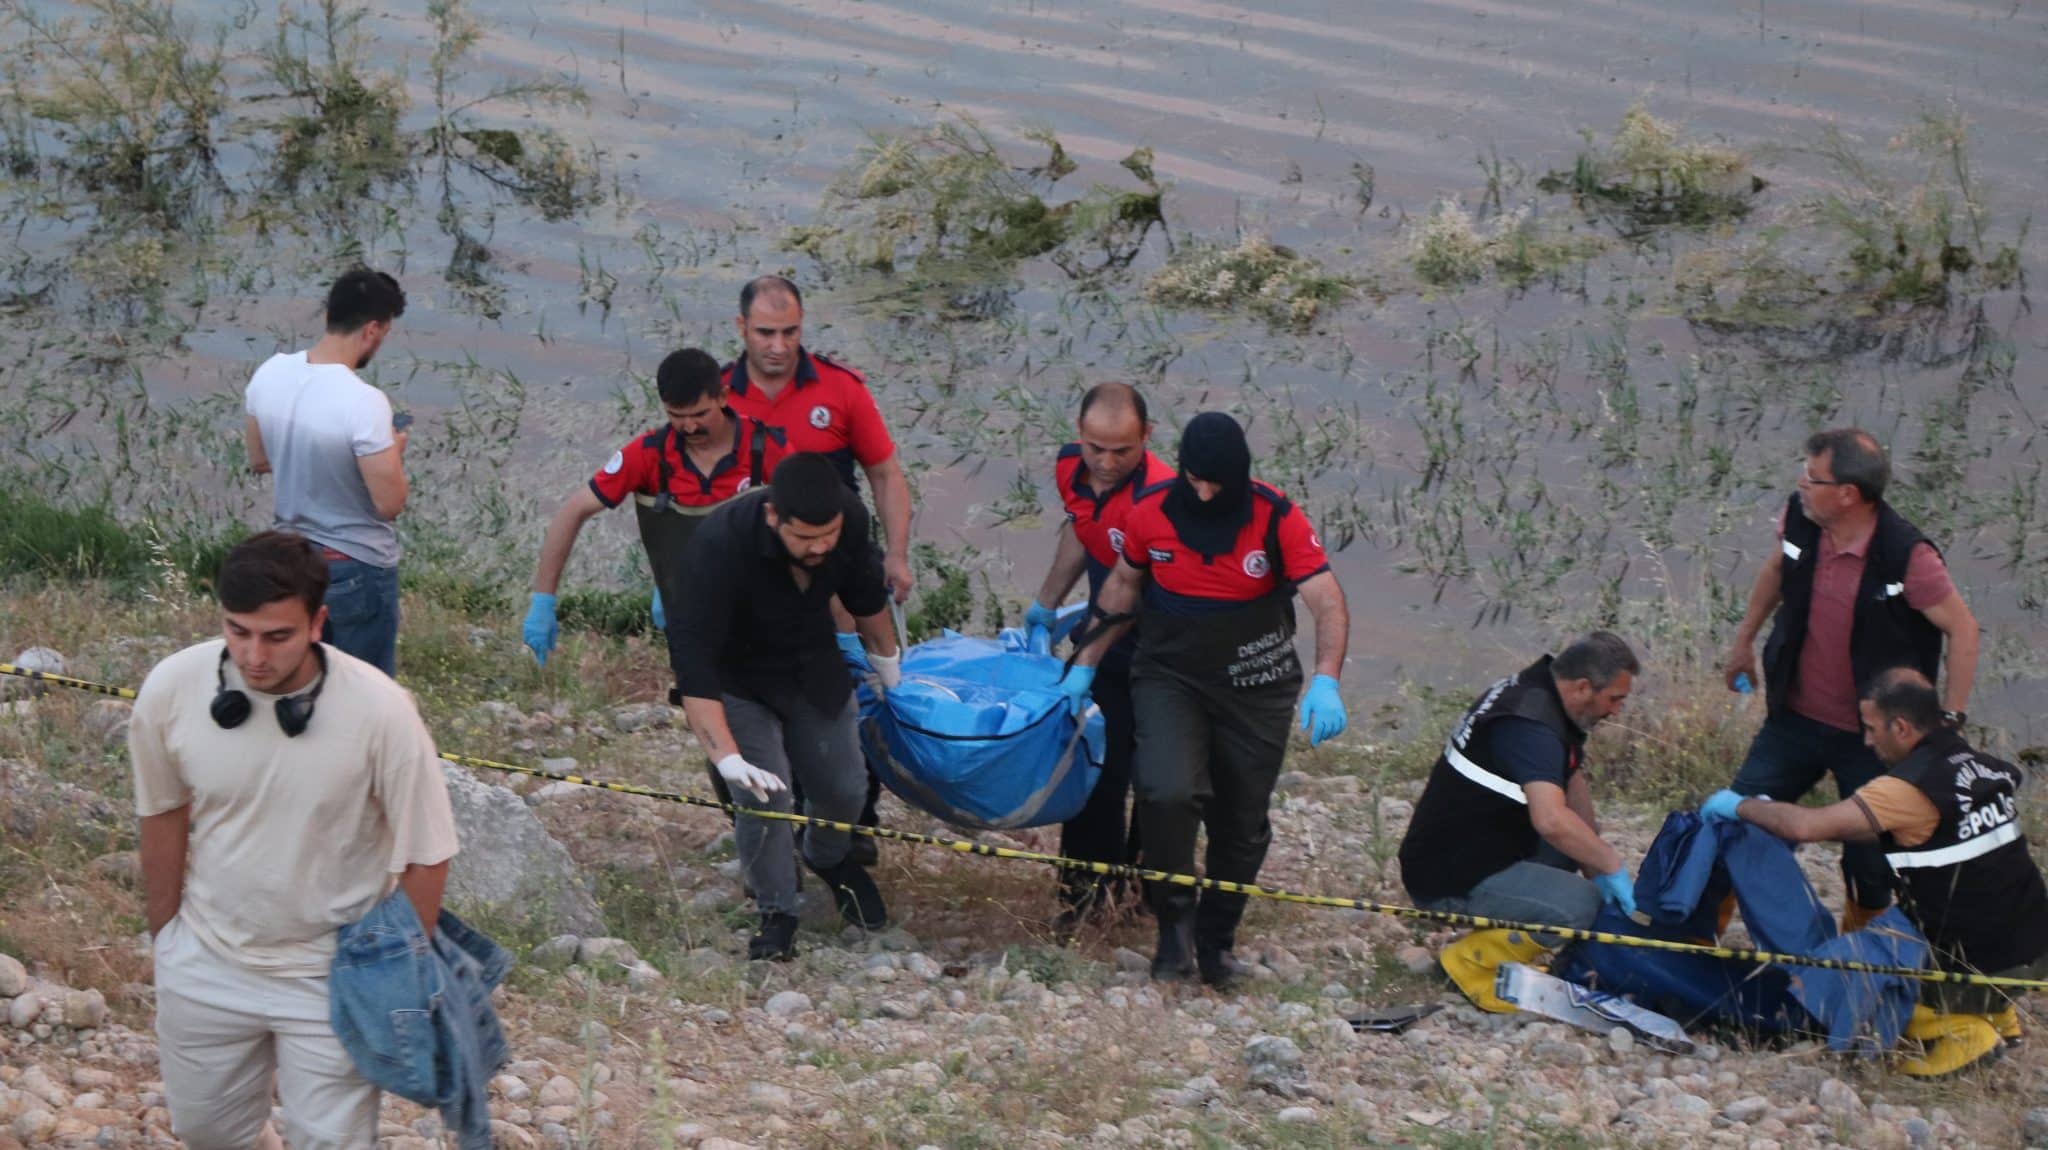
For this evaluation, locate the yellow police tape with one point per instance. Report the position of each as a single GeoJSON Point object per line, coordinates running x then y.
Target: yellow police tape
{"type": "Point", "coordinates": [1117, 870]}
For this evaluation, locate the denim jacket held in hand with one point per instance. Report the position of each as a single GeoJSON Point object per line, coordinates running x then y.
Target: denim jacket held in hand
{"type": "Point", "coordinates": [415, 1015]}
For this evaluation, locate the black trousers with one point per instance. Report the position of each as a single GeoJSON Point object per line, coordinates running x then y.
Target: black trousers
{"type": "Point", "coordinates": [1105, 830]}
{"type": "Point", "coordinates": [1207, 757]}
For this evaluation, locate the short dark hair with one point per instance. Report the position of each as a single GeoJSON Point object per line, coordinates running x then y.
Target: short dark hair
{"type": "Point", "coordinates": [770, 286]}
{"type": "Point", "coordinates": [269, 566]}
{"type": "Point", "coordinates": [1856, 457]}
{"type": "Point", "coordinates": [1904, 693]}
{"type": "Point", "coordinates": [1116, 395]}
{"type": "Point", "coordinates": [808, 488]}
{"type": "Point", "coordinates": [1597, 658]}
{"type": "Point", "coordinates": [687, 376]}
{"type": "Point", "coordinates": [363, 296]}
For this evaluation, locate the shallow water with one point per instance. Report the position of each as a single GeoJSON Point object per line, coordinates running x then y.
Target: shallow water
{"type": "Point", "coordinates": [723, 122]}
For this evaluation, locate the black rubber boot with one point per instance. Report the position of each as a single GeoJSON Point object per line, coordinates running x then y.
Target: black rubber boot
{"type": "Point", "coordinates": [1218, 967]}
{"type": "Point", "coordinates": [776, 940]}
{"type": "Point", "coordinates": [1216, 936]}
{"type": "Point", "coordinates": [860, 901]}
{"type": "Point", "coordinates": [1175, 957]}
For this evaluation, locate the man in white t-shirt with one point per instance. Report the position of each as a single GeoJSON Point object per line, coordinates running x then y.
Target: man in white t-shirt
{"type": "Point", "coordinates": [339, 461]}
{"type": "Point", "coordinates": [284, 789]}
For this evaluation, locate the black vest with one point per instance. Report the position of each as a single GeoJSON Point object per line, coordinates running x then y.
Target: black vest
{"type": "Point", "coordinates": [1472, 821]}
{"type": "Point", "coordinates": [1972, 888]}
{"type": "Point", "coordinates": [1886, 633]}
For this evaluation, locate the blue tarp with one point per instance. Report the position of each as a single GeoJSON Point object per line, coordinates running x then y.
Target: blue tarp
{"type": "Point", "coordinates": [1686, 873]}
{"type": "Point", "coordinates": [979, 734]}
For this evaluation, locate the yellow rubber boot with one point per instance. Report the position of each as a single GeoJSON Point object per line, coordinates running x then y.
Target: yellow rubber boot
{"type": "Point", "coordinates": [2007, 1023]}
{"type": "Point", "coordinates": [1954, 1041]}
{"type": "Point", "coordinates": [1472, 960]}
{"type": "Point", "coordinates": [1925, 1025]}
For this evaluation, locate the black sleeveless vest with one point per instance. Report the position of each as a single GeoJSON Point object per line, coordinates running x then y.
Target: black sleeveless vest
{"type": "Point", "coordinates": [1472, 821]}
{"type": "Point", "coordinates": [1972, 888]}
{"type": "Point", "coordinates": [1886, 632]}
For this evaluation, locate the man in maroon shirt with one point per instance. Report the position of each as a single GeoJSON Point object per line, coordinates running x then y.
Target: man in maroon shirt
{"type": "Point", "coordinates": [1856, 590]}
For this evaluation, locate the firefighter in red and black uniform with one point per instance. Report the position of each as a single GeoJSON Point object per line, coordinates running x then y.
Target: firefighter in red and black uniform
{"type": "Point", "coordinates": [1099, 475]}
{"type": "Point", "coordinates": [825, 407]}
{"type": "Point", "coordinates": [822, 406]}
{"type": "Point", "coordinates": [1211, 562]}
{"type": "Point", "coordinates": [675, 474]}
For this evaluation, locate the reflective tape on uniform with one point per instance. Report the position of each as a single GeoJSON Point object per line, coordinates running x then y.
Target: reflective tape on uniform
{"type": "Point", "coordinates": [1959, 853]}
{"type": "Point", "coordinates": [1482, 776]}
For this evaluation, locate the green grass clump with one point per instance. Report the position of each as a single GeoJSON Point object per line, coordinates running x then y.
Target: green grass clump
{"type": "Point", "coordinates": [1654, 175]}
{"type": "Point", "coordinates": [943, 206]}
{"type": "Point", "coordinates": [1257, 275]}
{"type": "Point", "coordinates": [44, 540]}
{"type": "Point", "coordinates": [1448, 249]}
{"type": "Point", "coordinates": [1915, 245]}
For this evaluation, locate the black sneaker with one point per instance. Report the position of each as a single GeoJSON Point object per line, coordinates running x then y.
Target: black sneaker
{"type": "Point", "coordinates": [860, 902]}
{"type": "Point", "coordinates": [776, 941]}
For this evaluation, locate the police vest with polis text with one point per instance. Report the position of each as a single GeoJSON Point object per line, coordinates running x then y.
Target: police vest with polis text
{"type": "Point", "coordinates": [1972, 887]}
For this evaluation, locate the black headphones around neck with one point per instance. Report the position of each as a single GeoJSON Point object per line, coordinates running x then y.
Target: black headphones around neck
{"type": "Point", "coordinates": [231, 708]}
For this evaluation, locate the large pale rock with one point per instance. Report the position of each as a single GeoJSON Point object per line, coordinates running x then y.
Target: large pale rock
{"type": "Point", "coordinates": [84, 1009]}
{"type": "Point", "coordinates": [107, 721]}
{"type": "Point", "coordinates": [509, 862]}
{"type": "Point", "coordinates": [13, 976]}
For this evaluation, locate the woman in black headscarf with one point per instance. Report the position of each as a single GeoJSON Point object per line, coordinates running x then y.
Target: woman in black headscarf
{"type": "Point", "coordinates": [1211, 562]}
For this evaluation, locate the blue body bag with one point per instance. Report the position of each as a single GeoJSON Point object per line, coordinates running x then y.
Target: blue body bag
{"type": "Point", "coordinates": [979, 734]}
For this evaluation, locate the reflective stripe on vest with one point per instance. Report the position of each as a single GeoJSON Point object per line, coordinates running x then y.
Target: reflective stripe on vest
{"type": "Point", "coordinates": [1959, 853]}
{"type": "Point", "coordinates": [649, 502]}
{"type": "Point", "coordinates": [1482, 776]}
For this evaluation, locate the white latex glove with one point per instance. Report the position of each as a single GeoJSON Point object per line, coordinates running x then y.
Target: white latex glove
{"type": "Point", "coordinates": [741, 773]}
{"type": "Point", "coordinates": [888, 669]}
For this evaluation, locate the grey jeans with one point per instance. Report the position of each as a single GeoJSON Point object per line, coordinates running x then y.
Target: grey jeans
{"type": "Point", "coordinates": [1546, 889]}
{"type": "Point", "coordinates": [823, 752]}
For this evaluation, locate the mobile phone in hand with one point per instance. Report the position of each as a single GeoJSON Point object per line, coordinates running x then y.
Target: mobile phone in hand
{"type": "Point", "coordinates": [400, 420]}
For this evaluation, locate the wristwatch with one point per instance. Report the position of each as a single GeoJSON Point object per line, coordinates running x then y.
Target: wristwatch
{"type": "Point", "coordinates": [1955, 719]}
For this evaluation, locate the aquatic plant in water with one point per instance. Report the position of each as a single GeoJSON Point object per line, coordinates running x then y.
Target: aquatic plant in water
{"type": "Point", "coordinates": [941, 207]}
{"type": "Point", "coordinates": [1654, 175]}
{"type": "Point", "coordinates": [1447, 248]}
{"type": "Point", "coordinates": [1256, 275]}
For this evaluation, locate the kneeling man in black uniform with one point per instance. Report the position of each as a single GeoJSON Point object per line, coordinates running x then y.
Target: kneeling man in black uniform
{"type": "Point", "coordinates": [1505, 826]}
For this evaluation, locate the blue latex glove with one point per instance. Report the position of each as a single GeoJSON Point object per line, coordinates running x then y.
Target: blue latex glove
{"type": "Point", "coordinates": [659, 616]}
{"type": "Point", "coordinates": [1322, 710]}
{"type": "Point", "coordinates": [1720, 806]}
{"type": "Point", "coordinates": [1618, 890]}
{"type": "Point", "coordinates": [1038, 625]}
{"type": "Point", "coordinates": [1076, 683]}
{"type": "Point", "coordinates": [540, 629]}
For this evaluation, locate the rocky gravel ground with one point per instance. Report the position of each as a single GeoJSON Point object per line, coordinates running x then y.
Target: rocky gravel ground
{"type": "Point", "coordinates": [965, 1024]}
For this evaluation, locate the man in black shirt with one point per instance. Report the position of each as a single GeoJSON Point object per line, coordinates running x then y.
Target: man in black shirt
{"type": "Point", "coordinates": [1505, 827]}
{"type": "Point", "coordinates": [765, 688]}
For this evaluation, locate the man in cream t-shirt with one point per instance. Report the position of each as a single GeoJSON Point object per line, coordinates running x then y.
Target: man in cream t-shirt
{"type": "Point", "coordinates": [284, 788]}
{"type": "Point", "coordinates": [338, 461]}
